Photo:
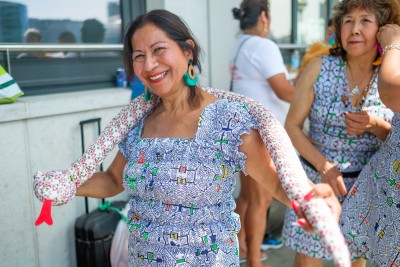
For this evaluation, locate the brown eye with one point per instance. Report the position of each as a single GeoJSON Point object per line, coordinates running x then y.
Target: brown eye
{"type": "Point", "coordinates": [137, 58]}
{"type": "Point", "coordinates": [159, 50]}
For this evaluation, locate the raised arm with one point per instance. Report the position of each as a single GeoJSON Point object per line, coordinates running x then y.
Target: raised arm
{"type": "Point", "coordinates": [389, 74]}
{"type": "Point", "coordinates": [299, 109]}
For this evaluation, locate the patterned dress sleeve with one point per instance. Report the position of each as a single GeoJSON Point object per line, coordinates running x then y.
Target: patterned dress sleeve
{"type": "Point", "coordinates": [231, 121]}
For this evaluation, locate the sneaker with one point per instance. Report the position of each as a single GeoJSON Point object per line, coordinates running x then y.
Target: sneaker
{"type": "Point", "coordinates": [271, 242]}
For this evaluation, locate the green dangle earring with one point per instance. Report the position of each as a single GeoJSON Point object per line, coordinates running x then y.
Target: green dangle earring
{"type": "Point", "coordinates": [190, 77]}
{"type": "Point", "coordinates": [147, 94]}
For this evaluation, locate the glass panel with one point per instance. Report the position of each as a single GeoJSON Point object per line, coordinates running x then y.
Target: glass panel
{"type": "Point", "coordinates": [333, 3]}
{"type": "Point", "coordinates": [311, 23]}
{"type": "Point", "coordinates": [281, 19]}
{"type": "Point", "coordinates": [49, 21]}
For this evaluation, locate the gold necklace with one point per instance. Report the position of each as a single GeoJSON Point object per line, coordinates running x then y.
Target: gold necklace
{"type": "Point", "coordinates": [356, 90]}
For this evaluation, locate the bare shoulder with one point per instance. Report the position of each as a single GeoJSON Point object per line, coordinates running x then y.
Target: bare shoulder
{"type": "Point", "coordinates": [206, 98]}
{"type": "Point", "coordinates": [310, 74]}
{"type": "Point", "coordinates": [314, 66]}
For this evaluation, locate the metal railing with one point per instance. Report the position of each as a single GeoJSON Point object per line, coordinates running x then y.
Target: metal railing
{"type": "Point", "coordinates": [6, 49]}
{"type": "Point", "coordinates": [292, 46]}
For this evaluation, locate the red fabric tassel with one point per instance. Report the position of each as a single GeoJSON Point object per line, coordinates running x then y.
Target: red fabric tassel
{"type": "Point", "coordinates": [45, 213]}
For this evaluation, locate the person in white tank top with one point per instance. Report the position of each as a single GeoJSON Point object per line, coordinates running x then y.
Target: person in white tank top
{"type": "Point", "coordinates": [258, 71]}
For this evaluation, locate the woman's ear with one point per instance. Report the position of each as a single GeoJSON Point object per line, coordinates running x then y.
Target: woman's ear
{"type": "Point", "coordinates": [188, 52]}
{"type": "Point", "coordinates": [265, 18]}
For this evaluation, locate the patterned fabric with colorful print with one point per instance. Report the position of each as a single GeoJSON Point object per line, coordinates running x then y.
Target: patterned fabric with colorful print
{"type": "Point", "coordinates": [182, 204]}
{"type": "Point", "coordinates": [328, 133]}
{"type": "Point", "coordinates": [374, 204]}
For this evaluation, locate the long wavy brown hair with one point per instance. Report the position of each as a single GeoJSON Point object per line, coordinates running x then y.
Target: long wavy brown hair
{"type": "Point", "coordinates": [386, 11]}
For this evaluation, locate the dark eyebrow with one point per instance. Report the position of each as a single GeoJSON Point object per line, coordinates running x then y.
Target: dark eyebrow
{"type": "Point", "coordinates": [151, 46]}
{"type": "Point", "coordinates": [363, 15]}
{"type": "Point", "coordinates": [156, 43]}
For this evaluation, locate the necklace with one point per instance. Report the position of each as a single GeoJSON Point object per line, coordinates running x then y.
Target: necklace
{"type": "Point", "coordinates": [356, 90]}
{"type": "Point", "coordinates": [359, 101]}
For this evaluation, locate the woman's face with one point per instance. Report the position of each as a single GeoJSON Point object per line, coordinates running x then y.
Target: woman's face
{"type": "Point", "coordinates": [359, 29]}
{"type": "Point", "coordinates": [158, 61]}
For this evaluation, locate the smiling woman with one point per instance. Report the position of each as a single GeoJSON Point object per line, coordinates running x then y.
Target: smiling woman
{"type": "Point", "coordinates": [178, 155]}
{"type": "Point", "coordinates": [338, 93]}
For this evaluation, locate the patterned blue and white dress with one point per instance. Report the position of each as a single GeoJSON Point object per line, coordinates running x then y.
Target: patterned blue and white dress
{"type": "Point", "coordinates": [328, 130]}
{"type": "Point", "coordinates": [181, 206]}
{"type": "Point", "coordinates": [371, 213]}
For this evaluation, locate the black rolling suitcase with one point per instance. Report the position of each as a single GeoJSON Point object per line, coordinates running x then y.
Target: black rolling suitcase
{"type": "Point", "coordinates": [93, 236]}
{"type": "Point", "coordinates": [94, 230]}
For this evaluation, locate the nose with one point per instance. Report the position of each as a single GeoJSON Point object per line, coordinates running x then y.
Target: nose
{"type": "Point", "coordinates": [355, 29]}
{"type": "Point", "coordinates": [150, 63]}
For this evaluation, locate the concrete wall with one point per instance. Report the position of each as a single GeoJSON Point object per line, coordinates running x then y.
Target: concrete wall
{"type": "Point", "coordinates": [43, 133]}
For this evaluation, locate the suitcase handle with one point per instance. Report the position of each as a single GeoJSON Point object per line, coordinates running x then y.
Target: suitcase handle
{"type": "Point", "coordinates": [82, 124]}
{"type": "Point", "coordinates": [107, 206]}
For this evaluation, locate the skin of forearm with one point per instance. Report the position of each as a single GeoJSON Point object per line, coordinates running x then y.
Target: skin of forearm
{"type": "Point", "coordinates": [285, 93]}
{"type": "Point", "coordinates": [389, 80]}
{"type": "Point", "coordinates": [381, 130]}
{"type": "Point", "coordinates": [304, 146]}
{"type": "Point", "coordinates": [100, 185]}
{"type": "Point", "coordinates": [280, 194]}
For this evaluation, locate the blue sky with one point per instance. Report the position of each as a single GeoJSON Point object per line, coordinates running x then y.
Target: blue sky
{"type": "Point", "coordinates": [66, 9]}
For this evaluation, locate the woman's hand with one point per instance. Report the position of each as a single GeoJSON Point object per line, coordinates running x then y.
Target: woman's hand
{"type": "Point", "coordinates": [359, 122]}
{"type": "Point", "coordinates": [364, 121]}
{"type": "Point", "coordinates": [332, 176]}
{"type": "Point", "coordinates": [325, 192]}
{"type": "Point", "coordinates": [389, 34]}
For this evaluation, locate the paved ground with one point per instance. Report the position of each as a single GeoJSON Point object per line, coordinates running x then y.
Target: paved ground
{"type": "Point", "coordinates": [284, 256]}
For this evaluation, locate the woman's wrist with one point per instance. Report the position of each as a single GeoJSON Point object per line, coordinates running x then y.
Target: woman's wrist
{"type": "Point", "coordinates": [390, 47]}
{"type": "Point", "coordinates": [322, 167]}
{"type": "Point", "coordinates": [380, 129]}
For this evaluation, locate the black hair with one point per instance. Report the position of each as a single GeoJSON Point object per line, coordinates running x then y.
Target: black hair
{"type": "Point", "coordinates": [92, 31]}
{"type": "Point", "coordinates": [249, 11]}
{"type": "Point", "coordinates": [330, 22]}
{"type": "Point", "coordinates": [175, 28]}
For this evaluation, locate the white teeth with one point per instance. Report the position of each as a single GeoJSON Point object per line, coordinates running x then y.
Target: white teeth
{"type": "Point", "coordinates": [158, 76]}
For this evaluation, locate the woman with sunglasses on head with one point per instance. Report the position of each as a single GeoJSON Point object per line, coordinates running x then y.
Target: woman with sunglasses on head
{"type": "Point", "coordinates": [348, 123]}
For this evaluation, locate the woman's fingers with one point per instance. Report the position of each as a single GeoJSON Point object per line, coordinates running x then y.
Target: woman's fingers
{"type": "Point", "coordinates": [341, 186]}
{"type": "Point", "coordinates": [302, 221]}
{"type": "Point", "coordinates": [323, 191]}
{"type": "Point", "coordinates": [388, 34]}
{"type": "Point", "coordinates": [335, 179]}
